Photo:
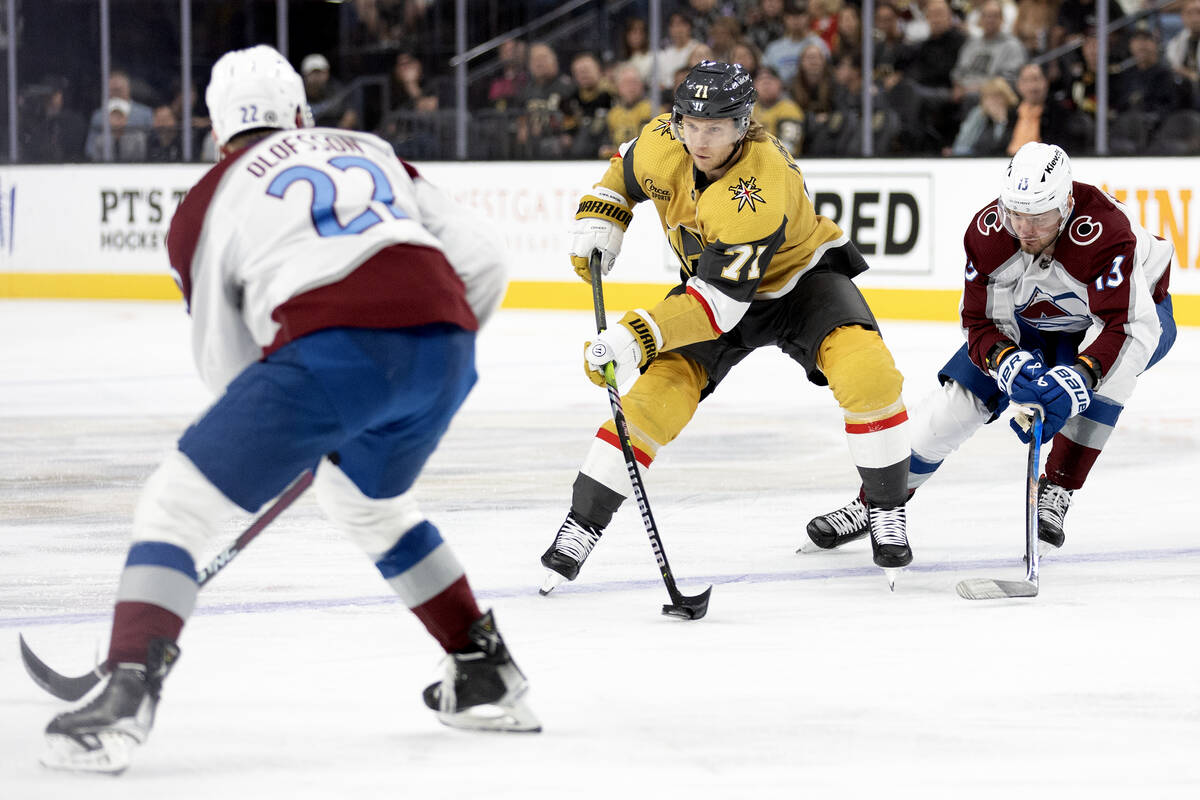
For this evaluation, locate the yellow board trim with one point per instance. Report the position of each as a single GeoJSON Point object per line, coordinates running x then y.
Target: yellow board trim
{"type": "Point", "coordinates": [940, 305]}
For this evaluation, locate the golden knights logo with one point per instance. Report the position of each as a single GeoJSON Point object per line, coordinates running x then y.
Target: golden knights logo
{"type": "Point", "coordinates": [663, 128]}
{"type": "Point", "coordinates": [746, 194]}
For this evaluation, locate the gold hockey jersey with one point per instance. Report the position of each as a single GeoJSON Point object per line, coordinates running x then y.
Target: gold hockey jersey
{"type": "Point", "coordinates": [749, 235]}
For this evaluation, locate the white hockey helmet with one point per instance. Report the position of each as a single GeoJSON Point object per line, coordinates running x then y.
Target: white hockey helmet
{"type": "Point", "coordinates": [1038, 182]}
{"type": "Point", "coordinates": [255, 88]}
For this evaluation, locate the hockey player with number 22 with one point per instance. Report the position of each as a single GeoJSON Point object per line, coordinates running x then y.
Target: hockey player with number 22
{"type": "Point", "coordinates": [335, 297]}
{"type": "Point", "coordinates": [758, 267]}
{"type": "Point", "coordinates": [1064, 304]}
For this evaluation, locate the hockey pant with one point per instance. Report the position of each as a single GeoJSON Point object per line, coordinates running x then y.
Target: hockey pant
{"type": "Point", "coordinates": [860, 372]}
{"type": "Point", "coordinates": [375, 404]}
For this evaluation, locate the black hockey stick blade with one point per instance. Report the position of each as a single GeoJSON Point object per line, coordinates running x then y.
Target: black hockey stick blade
{"type": "Point", "coordinates": [995, 589]}
{"type": "Point", "coordinates": [689, 607]}
{"type": "Point", "coordinates": [60, 686]}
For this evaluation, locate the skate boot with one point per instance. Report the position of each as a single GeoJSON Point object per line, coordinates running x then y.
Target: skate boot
{"type": "Point", "coordinates": [564, 558]}
{"type": "Point", "coordinates": [482, 689]}
{"type": "Point", "coordinates": [102, 735]}
{"type": "Point", "coordinates": [1053, 502]}
{"type": "Point", "coordinates": [836, 528]}
{"type": "Point", "coordinates": [889, 541]}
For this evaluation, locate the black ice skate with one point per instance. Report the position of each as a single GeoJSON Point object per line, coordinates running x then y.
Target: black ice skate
{"type": "Point", "coordinates": [482, 689]}
{"type": "Point", "coordinates": [836, 528]}
{"type": "Point", "coordinates": [889, 541]}
{"type": "Point", "coordinates": [571, 546]}
{"type": "Point", "coordinates": [102, 735]}
{"type": "Point", "coordinates": [1053, 502]}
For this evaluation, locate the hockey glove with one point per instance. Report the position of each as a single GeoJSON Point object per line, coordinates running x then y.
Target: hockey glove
{"type": "Point", "coordinates": [630, 345]}
{"type": "Point", "coordinates": [1017, 368]}
{"type": "Point", "coordinates": [600, 225]}
{"type": "Point", "coordinates": [1061, 393]}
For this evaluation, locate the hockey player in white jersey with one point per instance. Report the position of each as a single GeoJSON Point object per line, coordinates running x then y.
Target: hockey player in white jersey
{"type": "Point", "coordinates": [335, 297]}
{"type": "Point", "coordinates": [1065, 303]}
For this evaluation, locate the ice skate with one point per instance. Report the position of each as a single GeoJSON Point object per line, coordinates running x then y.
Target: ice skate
{"type": "Point", "coordinates": [483, 689]}
{"type": "Point", "coordinates": [836, 528]}
{"type": "Point", "coordinates": [1053, 502]}
{"type": "Point", "coordinates": [564, 558]}
{"type": "Point", "coordinates": [889, 541]}
{"type": "Point", "coordinates": [102, 735]}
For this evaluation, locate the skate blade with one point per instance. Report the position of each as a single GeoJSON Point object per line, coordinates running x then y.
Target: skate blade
{"type": "Point", "coordinates": [1045, 549]}
{"type": "Point", "coordinates": [112, 757]}
{"type": "Point", "coordinates": [511, 714]}
{"type": "Point", "coordinates": [553, 581]}
{"type": "Point", "coordinates": [890, 573]}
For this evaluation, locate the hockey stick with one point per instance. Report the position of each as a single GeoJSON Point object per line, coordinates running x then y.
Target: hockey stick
{"type": "Point", "coordinates": [993, 589]}
{"type": "Point", "coordinates": [681, 605]}
{"type": "Point", "coordinates": [67, 688]}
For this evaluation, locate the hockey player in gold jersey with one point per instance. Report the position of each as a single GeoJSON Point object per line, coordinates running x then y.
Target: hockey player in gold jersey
{"type": "Point", "coordinates": [758, 267]}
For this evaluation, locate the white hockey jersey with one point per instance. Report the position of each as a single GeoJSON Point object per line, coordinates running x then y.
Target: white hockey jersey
{"type": "Point", "coordinates": [1105, 277]}
{"type": "Point", "coordinates": [318, 228]}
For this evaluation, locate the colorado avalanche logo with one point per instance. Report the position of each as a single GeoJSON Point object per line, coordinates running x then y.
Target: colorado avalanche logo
{"type": "Point", "coordinates": [989, 221]}
{"type": "Point", "coordinates": [1085, 230]}
{"type": "Point", "coordinates": [1064, 312]}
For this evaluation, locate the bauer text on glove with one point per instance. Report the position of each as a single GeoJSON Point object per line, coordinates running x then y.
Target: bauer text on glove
{"type": "Point", "coordinates": [599, 224]}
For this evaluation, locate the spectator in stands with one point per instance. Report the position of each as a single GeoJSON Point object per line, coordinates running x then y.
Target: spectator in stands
{"type": "Point", "coordinates": [585, 110]}
{"type": "Point", "coordinates": [849, 34]}
{"type": "Point", "coordinates": [137, 117]}
{"type": "Point", "coordinates": [703, 14]}
{"type": "Point", "coordinates": [892, 53]}
{"type": "Point", "coordinates": [974, 11]}
{"type": "Point", "coordinates": [987, 129]}
{"type": "Point", "coordinates": [723, 34]}
{"type": "Point", "coordinates": [540, 125]}
{"type": "Point", "coordinates": [814, 87]}
{"type": "Point", "coordinates": [1079, 74]}
{"type": "Point", "coordinates": [1034, 24]}
{"type": "Point", "coordinates": [930, 68]}
{"type": "Point", "coordinates": [51, 132]}
{"type": "Point", "coordinates": [635, 47]}
{"type": "Point", "coordinates": [165, 144]}
{"type": "Point", "coordinates": [631, 111]}
{"type": "Point", "coordinates": [992, 53]}
{"type": "Point", "coordinates": [747, 55]}
{"type": "Point", "coordinates": [765, 23]}
{"type": "Point", "coordinates": [128, 143]}
{"type": "Point", "coordinates": [1043, 117]}
{"type": "Point", "coordinates": [777, 112]}
{"type": "Point", "coordinates": [1076, 18]}
{"type": "Point", "coordinates": [1183, 50]}
{"type": "Point", "coordinates": [680, 43]}
{"type": "Point", "coordinates": [823, 20]}
{"type": "Point", "coordinates": [1148, 85]}
{"type": "Point", "coordinates": [410, 91]}
{"type": "Point", "coordinates": [783, 55]}
{"type": "Point", "coordinates": [514, 74]}
{"type": "Point", "coordinates": [329, 109]}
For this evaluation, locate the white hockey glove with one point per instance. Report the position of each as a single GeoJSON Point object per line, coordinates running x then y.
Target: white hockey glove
{"type": "Point", "coordinates": [599, 224]}
{"type": "Point", "coordinates": [630, 345]}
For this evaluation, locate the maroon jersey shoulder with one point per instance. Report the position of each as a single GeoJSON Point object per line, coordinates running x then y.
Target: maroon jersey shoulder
{"type": "Point", "coordinates": [1097, 233]}
{"type": "Point", "coordinates": [184, 233]}
{"type": "Point", "coordinates": [987, 243]}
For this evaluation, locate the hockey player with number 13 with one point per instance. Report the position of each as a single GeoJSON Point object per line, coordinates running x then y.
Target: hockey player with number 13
{"type": "Point", "coordinates": [1064, 305]}
{"type": "Point", "coordinates": [758, 267]}
{"type": "Point", "coordinates": [335, 296]}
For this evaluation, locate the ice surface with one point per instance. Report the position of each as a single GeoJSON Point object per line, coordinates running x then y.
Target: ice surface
{"type": "Point", "coordinates": [301, 676]}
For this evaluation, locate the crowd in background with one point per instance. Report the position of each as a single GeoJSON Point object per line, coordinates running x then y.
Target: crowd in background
{"type": "Point", "coordinates": [950, 77]}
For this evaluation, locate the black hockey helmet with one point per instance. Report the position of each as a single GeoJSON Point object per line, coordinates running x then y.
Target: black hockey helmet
{"type": "Point", "coordinates": [715, 90]}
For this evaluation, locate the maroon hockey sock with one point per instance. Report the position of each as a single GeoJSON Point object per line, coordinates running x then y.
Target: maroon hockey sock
{"type": "Point", "coordinates": [134, 626]}
{"type": "Point", "coordinates": [449, 614]}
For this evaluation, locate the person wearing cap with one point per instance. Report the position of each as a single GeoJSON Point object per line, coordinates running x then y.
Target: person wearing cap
{"type": "Point", "coordinates": [323, 92]}
{"type": "Point", "coordinates": [136, 117]}
{"type": "Point", "coordinates": [1065, 304]}
{"type": "Point", "coordinates": [129, 143]}
{"type": "Point", "coordinates": [758, 267]}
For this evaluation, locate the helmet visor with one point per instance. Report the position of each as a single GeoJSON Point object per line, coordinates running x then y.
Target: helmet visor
{"type": "Point", "coordinates": [1031, 226]}
{"type": "Point", "coordinates": [703, 133]}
